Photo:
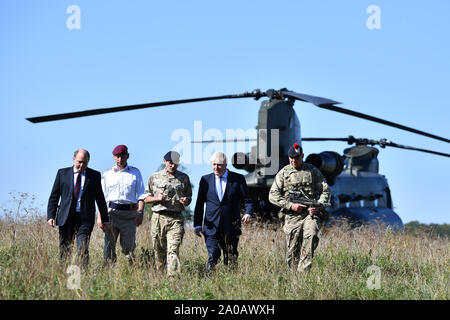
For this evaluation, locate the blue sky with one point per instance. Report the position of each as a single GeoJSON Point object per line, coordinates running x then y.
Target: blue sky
{"type": "Point", "coordinates": [142, 51]}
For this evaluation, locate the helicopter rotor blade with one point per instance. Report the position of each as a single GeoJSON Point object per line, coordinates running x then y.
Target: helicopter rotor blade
{"type": "Point", "coordinates": [318, 101]}
{"type": "Point", "coordinates": [222, 141]}
{"type": "Point", "coordinates": [395, 145]}
{"type": "Point", "coordinates": [330, 105]}
{"type": "Point", "coordinates": [382, 121]}
{"type": "Point", "coordinates": [325, 139]}
{"type": "Point", "coordinates": [382, 143]}
{"type": "Point", "coordinates": [92, 112]}
{"type": "Point", "coordinates": [256, 94]}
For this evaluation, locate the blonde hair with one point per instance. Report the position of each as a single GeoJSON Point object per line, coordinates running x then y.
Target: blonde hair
{"type": "Point", "coordinates": [219, 157]}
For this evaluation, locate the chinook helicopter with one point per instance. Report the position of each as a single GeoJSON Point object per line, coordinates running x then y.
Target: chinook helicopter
{"type": "Point", "coordinates": [358, 192]}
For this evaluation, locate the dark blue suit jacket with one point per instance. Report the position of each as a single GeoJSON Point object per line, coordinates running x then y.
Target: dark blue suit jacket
{"type": "Point", "coordinates": [226, 212]}
{"type": "Point", "coordinates": [63, 189]}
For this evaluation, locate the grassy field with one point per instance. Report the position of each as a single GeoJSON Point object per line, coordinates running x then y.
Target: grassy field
{"type": "Point", "coordinates": [406, 267]}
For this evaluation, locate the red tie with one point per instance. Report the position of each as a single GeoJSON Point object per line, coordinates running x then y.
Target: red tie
{"type": "Point", "coordinates": [77, 187]}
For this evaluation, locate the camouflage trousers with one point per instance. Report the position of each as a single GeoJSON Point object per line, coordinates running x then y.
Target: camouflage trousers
{"type": "Point", "coordinates": [301, 240]}
{"type": "Point", "coordinates": [167, 235]}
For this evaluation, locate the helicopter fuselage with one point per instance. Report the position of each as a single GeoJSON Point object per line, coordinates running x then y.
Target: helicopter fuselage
{"type": "Point", "coordinates": [358, 192]}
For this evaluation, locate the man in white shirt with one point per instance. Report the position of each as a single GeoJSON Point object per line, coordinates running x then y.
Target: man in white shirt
{"type": "Point", "coordinates": [124, 190]}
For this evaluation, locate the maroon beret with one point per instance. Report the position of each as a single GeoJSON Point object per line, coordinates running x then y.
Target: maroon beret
{"type": "Point", "coordinates": [120, 149]}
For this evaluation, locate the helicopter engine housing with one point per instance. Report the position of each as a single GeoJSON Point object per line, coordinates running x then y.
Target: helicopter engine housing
{"type": "Point", "coordinates": [330, 163]}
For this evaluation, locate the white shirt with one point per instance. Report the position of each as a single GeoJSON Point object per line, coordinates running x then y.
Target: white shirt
{"type": "Point", "coordinates": [223, 182]}
{"type": "Point", "coordinates": [83, 178]}
{"type": "Point", "coordinates": [123, 186]}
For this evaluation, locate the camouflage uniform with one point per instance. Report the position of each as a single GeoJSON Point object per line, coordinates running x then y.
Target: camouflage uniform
{"type": "Point", "coordinates": [167, 219]}
{"type": "Point", "coordinates": [300, 228]}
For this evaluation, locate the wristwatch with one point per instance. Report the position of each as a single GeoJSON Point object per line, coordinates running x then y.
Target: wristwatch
{"type": "Point", "coordinates": [140, 211]}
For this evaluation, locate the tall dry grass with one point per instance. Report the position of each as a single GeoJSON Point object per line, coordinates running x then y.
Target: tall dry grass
{"type": "Point", "coordinates": [411, 266]}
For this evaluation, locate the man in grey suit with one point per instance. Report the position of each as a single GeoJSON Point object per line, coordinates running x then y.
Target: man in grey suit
{"type": "Point", "coordinates": [76, 189]}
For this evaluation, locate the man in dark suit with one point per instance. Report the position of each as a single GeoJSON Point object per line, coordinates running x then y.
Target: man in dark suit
{"type": "Point", "coordinates": [79, 188]}
{"type": "Point", "coordinates": [222, 191]}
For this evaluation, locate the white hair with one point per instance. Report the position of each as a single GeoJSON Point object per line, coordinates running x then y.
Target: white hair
{"type": "Point", "coordinates": [219, 157]}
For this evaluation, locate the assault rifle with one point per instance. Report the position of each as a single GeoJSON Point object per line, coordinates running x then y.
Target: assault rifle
{"type": "Point", "coordinates": [300, 197]}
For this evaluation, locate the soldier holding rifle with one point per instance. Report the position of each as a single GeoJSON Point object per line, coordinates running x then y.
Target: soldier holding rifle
{"type": "Point", "coordinates": [302, 193]}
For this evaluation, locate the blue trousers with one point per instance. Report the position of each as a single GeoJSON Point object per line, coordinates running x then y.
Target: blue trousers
{"type": "Point", "coordinates": [218, 243]}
